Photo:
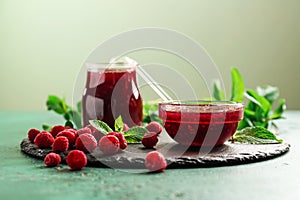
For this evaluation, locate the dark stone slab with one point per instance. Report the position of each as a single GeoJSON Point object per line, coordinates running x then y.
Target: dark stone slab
{"type": "Point", "coordinates": [177, 156]}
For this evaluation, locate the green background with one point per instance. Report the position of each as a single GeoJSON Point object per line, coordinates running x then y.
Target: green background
{"type": "Point", "coordinates": [44, 43]}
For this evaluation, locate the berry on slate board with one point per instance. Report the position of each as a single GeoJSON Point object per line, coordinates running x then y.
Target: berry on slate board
{"type": "Point", "coordinates": [44, 140]}
{"type": "Point", "coordinates": [76, 159]}
{"type": "Point", "coordinates": [61, 144]}
{"type": "Point", "coordinates": [32, 133]}
{"type": "Point", "coordinates": [109, 144]}
{"type": "Point", "coordinates": [155, 162]}
{"type": "Point", "coordinates": [56, 129]}
{"type": "Point", "coordinates": [122, 140]}
{"type": "Point", "coordinates": [52, 160]}
{"type": "Point", "coordinates": [86, 142]}
{"type": "Point", "coordinates": [68, 134]}
{"type": "Point", "coordinates": [84, 130]}
{"type": "Point", "coordinates": [150, 139]}
{"type": "Point", "coordinates": [154, 127]}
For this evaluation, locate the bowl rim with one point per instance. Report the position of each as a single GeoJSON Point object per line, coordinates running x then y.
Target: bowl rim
{"type": "Point", "coordinates": [201, 103]}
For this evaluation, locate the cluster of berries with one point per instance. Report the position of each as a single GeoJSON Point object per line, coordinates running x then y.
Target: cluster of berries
{"type": "Point", "coordinates": [87, 139]}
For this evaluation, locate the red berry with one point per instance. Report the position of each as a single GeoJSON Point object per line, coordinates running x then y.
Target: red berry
{"type": "Point", "coordinates": [150, 139]}
{"type": "Point", "coordinates": [86, 142]}
{"type": "Point", "coordinates": [125, 127]}
{"type": "Point", "coordinates": [52, 160]}
{"type": "Point", "coordinates": [44, 140]}
{"type": "Point", "coordinates": [68, 134]}
{"type": "Point", "coordinates": [56, 129]}
{"type": "Point", "coordinates": [109, 144]}
{"type": "Point", "coordinates": [154, 127]}
{"type": "Point", "coordinates": [155, 162]}
{"type": "Point", "coordinates": [32, 133]}
{"type": "Point", "coordinates": [76, 159]}
{"type": "Point", "coordinates": [97, 134]}
{"type": "Point", "coordinates": [61, 144]}
{"type": "Point", "coordinates": [121, 138]}
{"type": "Point", "coordinates": [84, 130]}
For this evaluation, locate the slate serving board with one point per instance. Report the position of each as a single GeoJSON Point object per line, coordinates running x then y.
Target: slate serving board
{"type": "Point", "coordinates": [177, 156]}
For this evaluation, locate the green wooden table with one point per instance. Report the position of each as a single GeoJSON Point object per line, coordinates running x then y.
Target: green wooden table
{"type": "Point", "coordinates": [22, 177]}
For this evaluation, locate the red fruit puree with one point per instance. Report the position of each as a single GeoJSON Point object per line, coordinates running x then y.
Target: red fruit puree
{"type": "Point", "coordinates": [205, 128]}
{"type": "Point", "coordinates": [110, 93]}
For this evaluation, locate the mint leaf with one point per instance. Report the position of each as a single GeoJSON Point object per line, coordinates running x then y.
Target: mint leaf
{"type": "Point", "coordinates": [218, 93]}
{"type": "Point", "coordinates": [261, 101]}
{"type": "Point", "coordinates": [56, 104]}
{"type": "Point", "coordinates": [135, 134]}
{"type": "Point", "coordinates": [79, 106]}
{"type": "Point", "coordinates": [46, 127]}
{"type": "Point", "coordinates": [279, 110]}
{"type": "Point", "coordinates": [150, 112]}
{"type": "Point", "coordinates": [269, 92]}
{"type": "Point", "coordinates": [75, 117]}
{"type": "Point", "coordinates": [256, 135]}
{"type": "Point", "coordinates": [119, 124]}
{"type": "Point", "coordinates": [69, 124]}
{"type": "Point", "coordinates": [101, 126]}
{"type": "Point", "coordinates": [237, 92]}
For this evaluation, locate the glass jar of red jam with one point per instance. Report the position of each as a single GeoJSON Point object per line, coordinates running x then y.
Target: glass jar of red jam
{"type": "Point", "coordinates": [111, 90]}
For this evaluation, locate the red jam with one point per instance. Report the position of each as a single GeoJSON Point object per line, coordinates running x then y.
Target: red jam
{"type": "Point", "coordinates": [201, 124]}
{"type": "Point", "coordinates": [110, 93]}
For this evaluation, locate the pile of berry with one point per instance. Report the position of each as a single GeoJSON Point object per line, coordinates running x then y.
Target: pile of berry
{"type": "Point", "coordinates": [87, 139]}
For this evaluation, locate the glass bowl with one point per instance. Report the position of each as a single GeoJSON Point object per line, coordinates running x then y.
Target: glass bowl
{"type": "Point", "coordinates": [200, 123]}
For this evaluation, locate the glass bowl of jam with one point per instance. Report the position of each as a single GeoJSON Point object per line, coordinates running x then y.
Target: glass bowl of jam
{"type": "Point", "coordinates": [200, 123]}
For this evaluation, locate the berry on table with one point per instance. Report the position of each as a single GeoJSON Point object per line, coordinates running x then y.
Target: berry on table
{"type": "Point", "coordinates": [68, 134]}
{"type": "Point", "coordinates": [154, 127]}
{"type": "Point", "coordinates": [32, 133]}
{"type": "Point", "coordinates": [61, 144]}
{"type": "Point", "coordinates": [52, 160]}
{"type": "Point", "coordinates": [76, 159]}
{"type": "Point", "coordinates": [56, 129]}
{"type": "Point", "coordinates": [44, 140]}
{"type": "Point", "coordinates": [86, 142]}
{"type": "Point", "coordinates": [109, 144]}
{"type": "Point", "coordinates": [150, 139]}
{"type": "Point", "coordinates": [155, 162]}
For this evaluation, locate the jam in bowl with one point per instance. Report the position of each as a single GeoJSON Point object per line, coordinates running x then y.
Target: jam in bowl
{"type": "Point", "coordinates": [200, 123]}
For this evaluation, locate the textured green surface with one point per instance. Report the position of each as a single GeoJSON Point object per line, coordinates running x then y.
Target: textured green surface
{"type": "Point", "coordinates": [22, 177]}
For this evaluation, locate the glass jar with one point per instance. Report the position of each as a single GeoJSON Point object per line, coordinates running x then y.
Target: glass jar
{"type": "Point", "coordinates": [111, 90]}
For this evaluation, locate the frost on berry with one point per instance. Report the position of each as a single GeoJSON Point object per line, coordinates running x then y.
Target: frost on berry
{"type": "Point", "coordinates": [155, 162]}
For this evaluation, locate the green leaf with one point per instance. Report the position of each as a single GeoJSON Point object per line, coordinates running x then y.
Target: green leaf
{"type": "Point", "coordinates": [256, 135]}
{"type": "Point", "coordinates": [279, 110]}
{"type": "Point", "coordinates": [119, 124]}
{"type": "Point", "coordinates": [79, 106]}
{"type": "Point", "coordinates": [237, 92]}
{"type": "Point", "coordinates": [101, 126]}
{"type": "Point", "coordinates": [56, 104]}
{"type": "Point", "coordinates": [69, 123]}
{"type": "Point", "coordinates": [150, 112]}
{"type": "Point", "coordinates": [260, 101]}
{"type": "Point", "coordinates": [269, 92]}
{"type": "Point", "coordinates": [218, 93]}
{"type": "Point", "coordinates": [46, 127]}
{"type": "Point", "coordinates": [76, 118]}
{"type": "Point", "coordinates": [135, 134]}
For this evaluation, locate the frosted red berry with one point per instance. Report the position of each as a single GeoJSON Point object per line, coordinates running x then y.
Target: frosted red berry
{"type": "Point", "coordinates": [84, 130]}
{"type": "Point", "coordinates": [150, 139]}
{"type": "Point", "coordinates": [52, 160]}
{"type": "Point", "coordinates": [109, 144]}
{"type": "Point", "coordinates": [155, 162]}
{"type": "Point", "coordinates": [68, 134]}
{"type": "Point", "coordinates": [121, 138]}
{"type": "Point", "coordinates": [44, 140]}
{"type": "Point", "coordinates": [56, 129]}
{"type": "Point", "coordinates": [61, 144]}
{"type": "Point", "coordinates": [76, 159]}
{"type": "Point", "coordinates": [154, 127]}
{"type": "Point", "coordinates": [86, 142]}
{"type": "Point", "coordinates": [32, 133]}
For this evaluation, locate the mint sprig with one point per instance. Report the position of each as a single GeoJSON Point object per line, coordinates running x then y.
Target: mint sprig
{"type": "Point", "coordinates": [101, 126]}
{"type": "Point", "coordinates": [256, 135]}
{"type": "Point", "coordinates": [119, 124]}
{"type": "Point", "coordinates": [135, 134]}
